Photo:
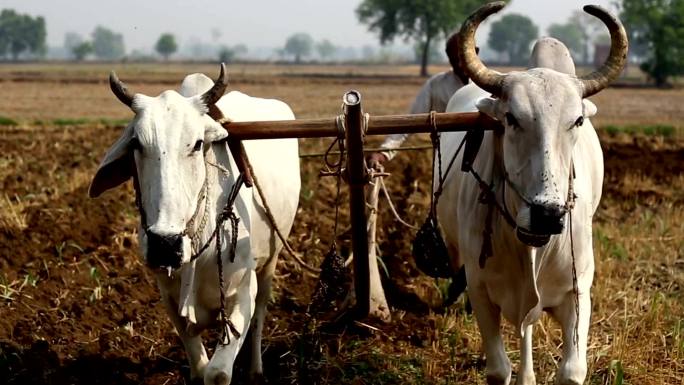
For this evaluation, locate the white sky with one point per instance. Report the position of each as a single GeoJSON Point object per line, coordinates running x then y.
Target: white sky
{"type": "Point", "coordinates": [257, 23]}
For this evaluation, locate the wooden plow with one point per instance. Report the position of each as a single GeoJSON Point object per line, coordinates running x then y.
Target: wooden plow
{"type": "Point", "coordinates": [353, 126]}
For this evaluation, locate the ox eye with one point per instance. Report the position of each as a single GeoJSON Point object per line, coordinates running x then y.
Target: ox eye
{"type": "Point", "coordinates": [579, 122]}
{"type": "Point", "coordinates": [198, 146]}
{"type": "Point", "coordinates": [511, 121]}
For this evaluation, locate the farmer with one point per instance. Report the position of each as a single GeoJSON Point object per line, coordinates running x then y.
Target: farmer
{"type": "Point", "coordinates": [433, 96]}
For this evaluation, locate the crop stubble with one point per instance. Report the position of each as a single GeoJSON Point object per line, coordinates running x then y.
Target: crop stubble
{"type": "Point", "coordinates": [78, 306]}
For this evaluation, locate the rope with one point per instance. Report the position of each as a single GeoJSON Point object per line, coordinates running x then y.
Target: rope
{"type": "Point", "coordinates": [570, 205]}
{"type": "Point", "coordinates": [391, 204]}
{"type": "Point", "coordinates": [436, 156]}
{"type": "Point", "coordinates": [227, 325]}
{"type": "Point", "coordinates": [271, 219]}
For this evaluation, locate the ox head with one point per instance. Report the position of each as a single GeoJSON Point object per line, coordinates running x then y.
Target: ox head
{"type": "Point", "coordinates": [163, 148]}
{"type": "Point", "coordinates": [543, 111]}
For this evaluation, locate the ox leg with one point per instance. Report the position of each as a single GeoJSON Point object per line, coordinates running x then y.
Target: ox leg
{"type": "Point", "coordinates": [194, 348]}
{"type": "Point", "coordinates": [488, 317]}
{"type": "Point", "coordinates": [219, 371]}
{"type": "Point", "coordinates": [573, 366]}
{"type": "Point", "coordinates": [526, 369]}
{"type": "Point", "coordinates": [265, 279]}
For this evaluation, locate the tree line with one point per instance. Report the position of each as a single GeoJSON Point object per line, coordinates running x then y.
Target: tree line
{"type": "Point", "coordinates": [655, 27]}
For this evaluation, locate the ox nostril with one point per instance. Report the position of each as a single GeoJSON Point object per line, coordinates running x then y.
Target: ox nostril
{"type": "Point", "coordinates": [547, 219]}
{"type": "Point", "coordinates": [164, 250]}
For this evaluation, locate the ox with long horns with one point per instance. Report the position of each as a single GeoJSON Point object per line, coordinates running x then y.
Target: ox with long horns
{"type": "Point", "coordinates": [184, 177]}
{"type": "Point", "coordinates": [528, 248]}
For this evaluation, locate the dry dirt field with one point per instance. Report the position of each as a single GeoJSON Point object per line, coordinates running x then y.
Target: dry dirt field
{"type": "Point", "coordinates": [77, 305]}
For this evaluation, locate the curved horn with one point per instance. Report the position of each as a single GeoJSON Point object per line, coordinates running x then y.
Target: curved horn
{"type": "Point", "coordinates": [599, 79]}
{"type": "Point", "coordinates": [119, 89]}
{"type": "Point", "coordinates": [488, 80]}
{"type": "Point", "coordinates": [214, 94]}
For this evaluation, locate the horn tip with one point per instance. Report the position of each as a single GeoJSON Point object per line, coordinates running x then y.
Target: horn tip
{"type": "Point", "coordinates": [222, 73]}
{"type": "Point", "coordinates": [590, 7]}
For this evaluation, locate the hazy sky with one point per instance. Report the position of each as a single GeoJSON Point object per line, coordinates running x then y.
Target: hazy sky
{"type": "Point", "coordinates": [257, 23]}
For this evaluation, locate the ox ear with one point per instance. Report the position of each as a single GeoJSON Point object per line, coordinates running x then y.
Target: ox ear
{"type": "Point", "coordinates": [116, 167]}
{"type": "Point", "coordinates": [588, 108]}
{"type": "Point", "coordinates": [214, 132]}
{"type": "Point", "coordinates": [489, 106]}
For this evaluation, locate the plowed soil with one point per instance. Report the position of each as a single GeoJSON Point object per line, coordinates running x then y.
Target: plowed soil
{"type": "Point", "coordinates": [77, 305]}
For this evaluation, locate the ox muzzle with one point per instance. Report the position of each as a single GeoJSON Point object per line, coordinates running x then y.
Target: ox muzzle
{"type": "Point", "coordinates": [164, 251]}
{"type": "Point", "coordinates": [544, 220]}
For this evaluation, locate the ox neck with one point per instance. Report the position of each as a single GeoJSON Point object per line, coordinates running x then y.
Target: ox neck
{"type": "Point", "coordinates": [220, 178]}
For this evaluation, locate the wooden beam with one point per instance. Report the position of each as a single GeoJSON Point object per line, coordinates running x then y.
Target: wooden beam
{"type": "Point", "coordinates": [358, 178]}
{"type": "Point", "coordinates": [377, 125]}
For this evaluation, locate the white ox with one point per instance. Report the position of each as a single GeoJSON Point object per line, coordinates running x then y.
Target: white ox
{"type": "Point", "coordinates": [546, 136]}
{"type": "Point", "coordinates": [184, 172]}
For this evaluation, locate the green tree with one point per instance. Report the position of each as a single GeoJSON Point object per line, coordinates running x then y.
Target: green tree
{"type": "Point", "coordinates": [299, 45]}
{"type": "Point", "coordinates": [513, 35]}
{"type": "Point", "coordinates": [589, 27]}
{"type": "Point", "coordinates": [226, 54]}
{"type": "Point", "coordinates": [71, 40]}
{"type": "Point", "coordinates": [107, 44]}
{"type": "Point", "coordinates": [657, 25]}
{"type": "Point", "coordinates": [82, 50]}
{"type": "Point", "coordinates": [572, 36]}
{"type": "Point", "coordinates": [325, 49]}
{"type": "Point", "coordinates": [420, 20]}
{"type": "Point", "coordinates": [434, 52]}
{"type": "Point", "coordinates": [21, 33]}
{"type": "Point", "coordinates": [166, 45]}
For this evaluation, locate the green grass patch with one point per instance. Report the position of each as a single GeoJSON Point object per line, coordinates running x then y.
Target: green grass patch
{"type": "Point", "coordinates": [114, 122]}
{"type": "Point", "coordinates": [81, 121]}
{"type": "Point", "coordinates": [69, 122]}
{"type": "Point", "coordinates": [375, 367]}
{"type": "Point", "coordinates": [650, 130]}
{"type": "Point", "coordinates": [5, 121]}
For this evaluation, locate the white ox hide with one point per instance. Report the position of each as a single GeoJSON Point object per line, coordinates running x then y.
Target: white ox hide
{"type": "Point", "coordinates": [176, 146]}
{"type": "Point", "coordinates": [546, 133]}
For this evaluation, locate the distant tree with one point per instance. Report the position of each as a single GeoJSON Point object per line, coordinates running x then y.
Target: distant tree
{"type": "Point", "coordinates": [588, 26]}
{"type": "Point", "coordinates": [107, 44]}
{"type": "Point", "coordinates": [419, 20]}
{"type": "Point", "coordinates": [240, 50]}
{"type": "Point", "coordinates": [658, 25]}
{"type": "Point", "coordinates": [21, 33]}
{"type": "Point", "coordinates": [572, 36]}
{"type": "Point", "coordinates": [82, 50]}
{"type": "Point", "coordinates": [325, 49]}
{"type": "Point", "coordinates": [513, 35]}
{"type": "Point", "coordinates": [434, 53]}
{"type": "Point", "coordinates": [299, 45]}
{"type": "Point", "coordinates": [166, 45]}
{"type": "Point", "coordinates": [71, 40]}
{"type": "Point", "coordinates": [226, 55]}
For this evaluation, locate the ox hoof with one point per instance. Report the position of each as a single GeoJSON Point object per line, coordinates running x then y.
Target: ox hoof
{"type": "Point", "coordinates": [571, 373]}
